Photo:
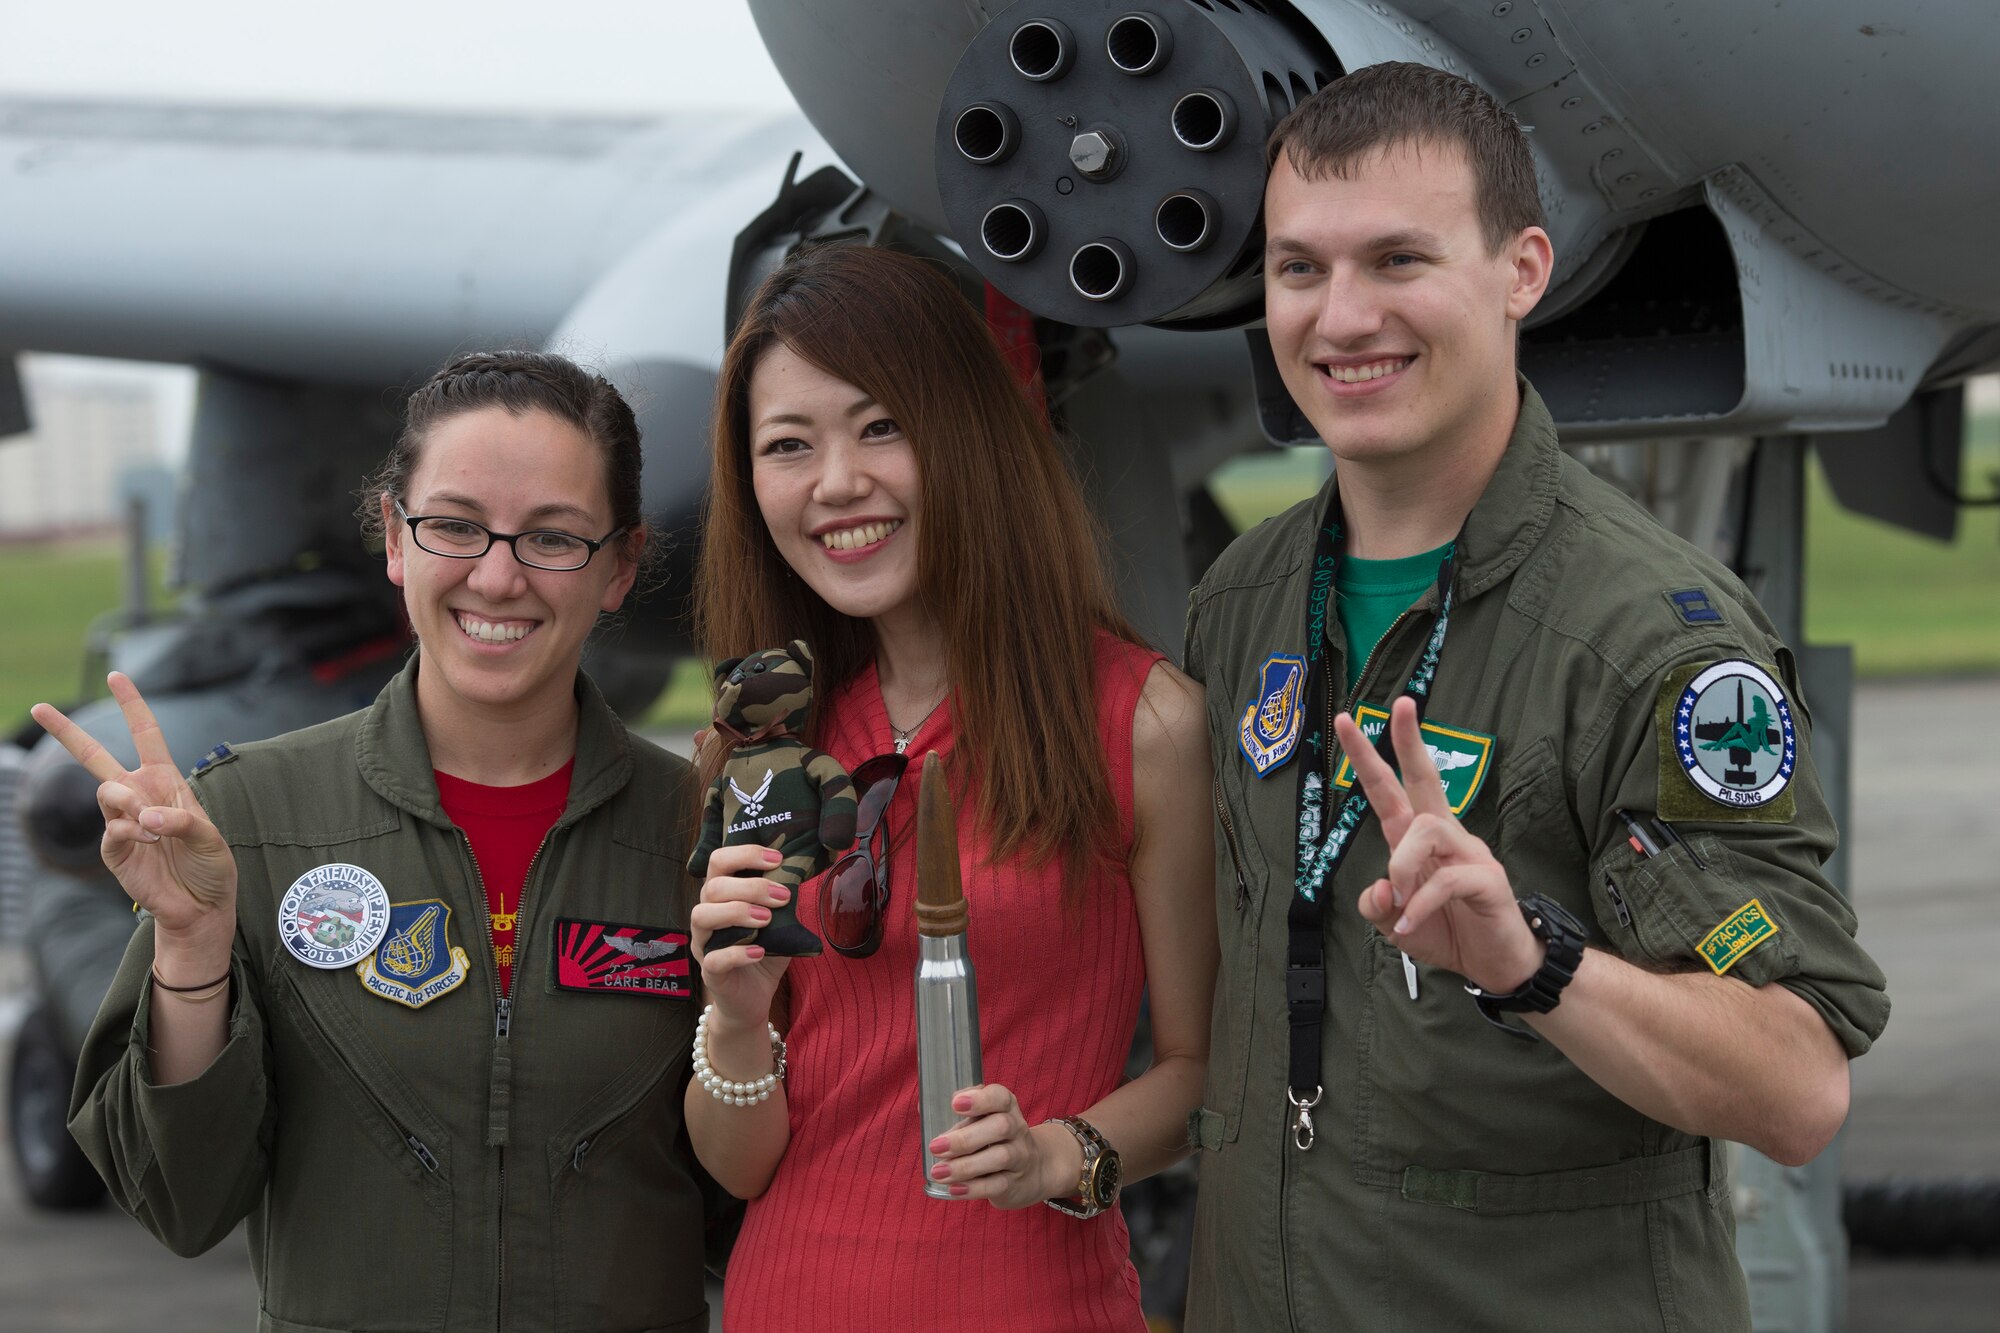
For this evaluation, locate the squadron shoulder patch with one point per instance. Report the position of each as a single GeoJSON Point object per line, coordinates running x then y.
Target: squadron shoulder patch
{"type": "Point", "coordinates": [333, 916]}
{"type": "Point", "coordinates": [1463, 757]}
{"type": "Point", "coordinates": [610, 958]}
{"type": "Point", "coordinates": [1273, 722]}
{"type": "Point", "coordinates": [1728, 745]}
{"type": "Point", "coordinates": [416, 961]}
{"type": "Point", "coordinates": [1746, 928]}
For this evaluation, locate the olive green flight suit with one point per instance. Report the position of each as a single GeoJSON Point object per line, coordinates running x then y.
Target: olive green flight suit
{"type": "Point", "coordinates": [417, 1168]}
{"type": "Point", "coordinates": [1462, 1178]}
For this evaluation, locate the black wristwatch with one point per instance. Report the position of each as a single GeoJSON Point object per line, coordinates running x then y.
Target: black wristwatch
{"type": "Point", "coordinates": [1563, 935]}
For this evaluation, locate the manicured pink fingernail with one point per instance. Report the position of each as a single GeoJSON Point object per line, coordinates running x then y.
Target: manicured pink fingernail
{"type": "Point", "coordinates": [754, 951]}
{"type": "Point", "coordinates": [959, 1191]}
{"type": "Point", "coordinates": [772, 856]}
{"type": "Point", "coordinates": [940, 1145]}
{"type": "Point", "coordinates": [940, 1171]}
{"type": "Point", "coordinates": [760, 913]}
{"type": "Point", "coordinates": [961, 1103]}
{"type": "Point", "coordinates": [781, 894]}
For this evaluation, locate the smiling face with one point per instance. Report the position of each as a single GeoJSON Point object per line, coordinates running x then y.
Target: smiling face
{"type": "Point", "coordinates": [496, 634]}
{"type": "Point", "coordinates": [1392, 320]}
{"type": "Point", "coordinates": [836, 482]}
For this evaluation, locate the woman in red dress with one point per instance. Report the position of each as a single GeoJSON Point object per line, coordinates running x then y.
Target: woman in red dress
{"type": "Point", "coordinates": [884, 489]}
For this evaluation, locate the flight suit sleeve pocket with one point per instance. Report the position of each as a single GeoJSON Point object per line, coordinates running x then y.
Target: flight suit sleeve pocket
{"type": "Point", "coordinates": [1690, 908]}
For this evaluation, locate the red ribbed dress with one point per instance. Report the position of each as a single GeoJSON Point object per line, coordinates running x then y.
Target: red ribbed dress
{"type": "Point", "coordinates": [845, 1237]}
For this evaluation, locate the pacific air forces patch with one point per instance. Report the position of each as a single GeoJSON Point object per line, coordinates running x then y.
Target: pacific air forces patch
{"type": "Point", "coordinates": [1463, 757]}
{"type": "Point", "coordinates": [1274, 720]}
{"type": "Point", "coordinates": [416, 961]}
{"type": "Point", "coordinates": [1728, 745]}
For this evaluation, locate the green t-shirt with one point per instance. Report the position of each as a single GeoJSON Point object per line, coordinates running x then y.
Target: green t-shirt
{"type": "Point", "coordinates": [1370, 594]}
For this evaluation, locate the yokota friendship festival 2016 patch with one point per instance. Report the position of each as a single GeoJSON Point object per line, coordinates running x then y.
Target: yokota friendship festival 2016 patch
{"type": "Point", "coordinates": [1728, 744]}
{"type": "Point", "coordinates": [333, 916]}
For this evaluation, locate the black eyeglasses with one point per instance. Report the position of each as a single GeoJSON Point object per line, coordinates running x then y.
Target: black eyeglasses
{"type": "Point", "coordinates": [854, 895]}
{"type": "Point", "coordinates": [462, 539]}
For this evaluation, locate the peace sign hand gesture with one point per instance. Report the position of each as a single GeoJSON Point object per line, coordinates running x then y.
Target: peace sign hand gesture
{"type": "Point", "coordinates": [158, 841]}
{"type": "Point", "coordinates": [1447, 902]}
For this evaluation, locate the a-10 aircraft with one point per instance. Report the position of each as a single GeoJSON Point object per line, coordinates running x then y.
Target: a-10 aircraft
{"type": "Point", "coordinates": [1772, 226]}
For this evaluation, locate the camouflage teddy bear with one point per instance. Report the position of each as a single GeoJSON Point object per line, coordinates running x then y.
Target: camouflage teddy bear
{"type": "Point", "coordinates": [774, 789]}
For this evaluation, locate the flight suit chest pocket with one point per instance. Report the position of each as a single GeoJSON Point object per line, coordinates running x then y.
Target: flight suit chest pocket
{"type": "Point", "coordinates": [1527, 823]}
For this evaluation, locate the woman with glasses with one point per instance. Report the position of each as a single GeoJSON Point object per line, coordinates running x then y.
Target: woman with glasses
{"type": "Point", "coordinates": [413, 993]}
{"type": "Point", "coordinates": [883, 488]}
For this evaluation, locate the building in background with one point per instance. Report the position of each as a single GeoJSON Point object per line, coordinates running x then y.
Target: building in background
{"type": "Point", "coordinates": [102, 430]}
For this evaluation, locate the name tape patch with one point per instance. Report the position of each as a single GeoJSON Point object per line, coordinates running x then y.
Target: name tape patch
{"type": "Point", "coordinates": [615, 959]}
{"type": "Point", "coordinates": [1746, 928]}
{"type": "Point", "coordinates": [1463, 756]}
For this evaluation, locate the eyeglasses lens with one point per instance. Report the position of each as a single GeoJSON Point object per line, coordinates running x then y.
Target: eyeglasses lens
{"type": "Point", "coordinates": [855, 894]}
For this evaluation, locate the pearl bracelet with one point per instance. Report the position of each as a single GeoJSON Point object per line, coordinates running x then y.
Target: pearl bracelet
{"type": "Point", "coordinates": [730, 1091]}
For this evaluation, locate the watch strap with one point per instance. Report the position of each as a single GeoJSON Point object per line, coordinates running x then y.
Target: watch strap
{"type": "Point", "coordinates": [1097, 1155]}
{"type": "Point", "coordinates": [1563, 935]}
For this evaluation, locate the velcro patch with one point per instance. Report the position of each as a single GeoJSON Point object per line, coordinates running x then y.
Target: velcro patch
{"type": "Point", "coordinates": [416, 961]}
{"type": "Point", "coordinates": [1694, 607]}
{"type": "Point", "coordinates": [221, 754]}
{"type": "Point", "coordinates": [1462, 756]}
{"type": "Point", "coordinates": [615, 959]}
{"type": "Point", "coordinates": [1270, 728]}
{"type": "Point", "coordinates": [1728, 745]}
{"type": "Point", "coordinates": [1746, 928]}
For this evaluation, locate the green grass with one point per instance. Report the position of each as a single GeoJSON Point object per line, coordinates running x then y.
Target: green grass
{"type": "Point", "coordinates": [49, 594]}
{"type": "Point", "coordinates": [684, 704]}
{"type": "Point", "coordinates": [1909, 605]}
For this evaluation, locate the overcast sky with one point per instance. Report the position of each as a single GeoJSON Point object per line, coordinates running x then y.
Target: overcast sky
{"type": "Point", "coordinates": [584, 55]}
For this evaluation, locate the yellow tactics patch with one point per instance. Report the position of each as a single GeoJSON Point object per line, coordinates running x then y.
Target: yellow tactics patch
{"type": "Point", "coordinates": [1747, 927]}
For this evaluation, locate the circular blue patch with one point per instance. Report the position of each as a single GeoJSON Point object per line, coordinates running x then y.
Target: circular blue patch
{"type": "Point", "coordinates": [1734, 736]}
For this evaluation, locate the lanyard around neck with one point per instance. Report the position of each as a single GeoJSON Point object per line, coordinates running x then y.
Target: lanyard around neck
{"type": "Point", "coordinates": [1323, 846]}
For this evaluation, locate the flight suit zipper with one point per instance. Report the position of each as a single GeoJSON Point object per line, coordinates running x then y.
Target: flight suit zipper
{"type": "Point", "coordinates": [418, 1148]}
{"type": "Point", "coordinates": [1229, 837]}
{"type": "Point", "coordinates": [503, 1026]}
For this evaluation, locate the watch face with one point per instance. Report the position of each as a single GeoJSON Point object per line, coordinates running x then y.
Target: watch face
{"type": "Point", "coordinates": [1108, 1172]}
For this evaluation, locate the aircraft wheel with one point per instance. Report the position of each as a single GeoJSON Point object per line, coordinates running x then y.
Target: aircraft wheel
{"type": "Point", "coordinates": [53, 1170]}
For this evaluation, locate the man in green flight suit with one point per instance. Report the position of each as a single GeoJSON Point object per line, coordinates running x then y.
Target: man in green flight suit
{"type": "Point", "coordinates": [1656, 963]}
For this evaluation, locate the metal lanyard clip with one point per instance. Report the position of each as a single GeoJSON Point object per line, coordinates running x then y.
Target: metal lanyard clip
{"type": "Point", "coordinates": [1302, 1123]}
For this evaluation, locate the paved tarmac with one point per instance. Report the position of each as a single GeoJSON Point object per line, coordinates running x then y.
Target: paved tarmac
{"type": "Point", "coordinates": [1926, 877]}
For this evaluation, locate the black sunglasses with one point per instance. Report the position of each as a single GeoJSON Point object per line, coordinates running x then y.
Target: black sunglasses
{"type": "Point", "coordinates": [854, 895]}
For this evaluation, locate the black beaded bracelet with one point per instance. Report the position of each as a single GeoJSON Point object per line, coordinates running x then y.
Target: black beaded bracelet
{"type": "Point", "coordinates": [183, 990]}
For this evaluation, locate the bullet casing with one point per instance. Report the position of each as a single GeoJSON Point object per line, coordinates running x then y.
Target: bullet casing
{"type": "Point", "coordinates": [947, 1039]}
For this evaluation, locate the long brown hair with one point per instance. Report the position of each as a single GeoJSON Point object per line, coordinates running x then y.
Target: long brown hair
{"type": "Point", "coordinates": [1019, 589]}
